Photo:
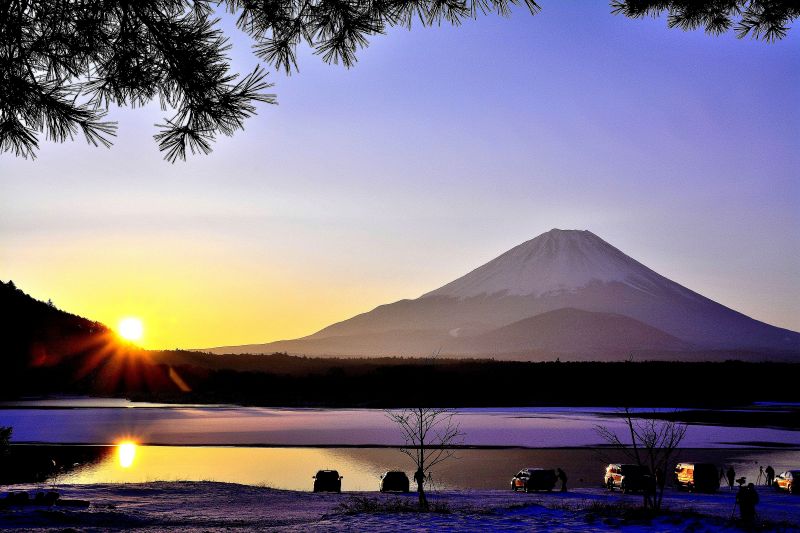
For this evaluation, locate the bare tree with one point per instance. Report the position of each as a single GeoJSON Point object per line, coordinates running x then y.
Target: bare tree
{"type": "Point", "coordinates": [429, 434]}
{"type": "Point", "coordinates": [653, 444]}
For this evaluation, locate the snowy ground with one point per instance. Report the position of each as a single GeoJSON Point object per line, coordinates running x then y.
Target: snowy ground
{"type": "Point", "coordinates": [211, 506]}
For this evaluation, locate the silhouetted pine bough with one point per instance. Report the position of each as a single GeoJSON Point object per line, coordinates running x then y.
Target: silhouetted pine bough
{"type": "Point", "coordinates": [761, 19]}
{"type": "Point", "coordinates": [64, 62]}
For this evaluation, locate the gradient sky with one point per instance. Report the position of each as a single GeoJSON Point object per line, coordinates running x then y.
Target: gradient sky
{"type": "Point", "coordinates": [441, 149]}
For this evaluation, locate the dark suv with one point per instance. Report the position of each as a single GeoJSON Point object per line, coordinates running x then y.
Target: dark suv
{"type": "Point", "coordinates": [394, 480]}
{"type": "Point", "coordinates": [328, 481]}
{"type": "Point", "coordinates": [626, 477]}
{"type": "Point", "coordinates": [534, 479]}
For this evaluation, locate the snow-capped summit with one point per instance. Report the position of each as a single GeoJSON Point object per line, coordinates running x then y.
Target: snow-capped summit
{"type": "Point", "coordinates": [556, 261]}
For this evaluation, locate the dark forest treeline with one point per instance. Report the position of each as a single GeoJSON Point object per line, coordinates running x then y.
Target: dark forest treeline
{"type": "Point", "coordinates": [491, 383]}
{"type": "Point", "coordinates": [48, 351]}
{"type": "Point", "coordinates": [452, 383]}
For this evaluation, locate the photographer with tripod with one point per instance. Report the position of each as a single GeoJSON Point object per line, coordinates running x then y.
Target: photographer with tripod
{"type": "Point", "coordinates": [746, 499]}
{"type": "Point", "coordinates": [770, 472]}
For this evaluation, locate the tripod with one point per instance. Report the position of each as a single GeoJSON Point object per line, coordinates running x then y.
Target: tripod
{"type": "Point", "coordinates": [761, 476]}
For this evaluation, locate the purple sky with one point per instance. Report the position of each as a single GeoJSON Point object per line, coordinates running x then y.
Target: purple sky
{"type": "Point", "coordinates": [441, 149]}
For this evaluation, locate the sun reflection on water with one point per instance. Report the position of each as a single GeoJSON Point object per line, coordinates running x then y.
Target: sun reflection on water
{"type": "Point", "coordinates": [126, 453]}
{"type": "Point", "coordinates": [292, 468]}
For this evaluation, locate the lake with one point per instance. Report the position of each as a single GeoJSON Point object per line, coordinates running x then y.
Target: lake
{"type": "Point", "coordinates": [283, 448]}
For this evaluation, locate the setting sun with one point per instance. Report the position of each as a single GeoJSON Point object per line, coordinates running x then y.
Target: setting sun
{"type": "Point", "coordinates": [130, 329]}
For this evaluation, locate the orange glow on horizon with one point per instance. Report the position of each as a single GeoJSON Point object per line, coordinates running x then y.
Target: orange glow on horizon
{"type": "Point", "coordinates": [221, 300]}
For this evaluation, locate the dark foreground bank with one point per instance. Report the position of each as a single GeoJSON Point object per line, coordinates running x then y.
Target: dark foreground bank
{"type": "Point", "coordinates": [207, 506]}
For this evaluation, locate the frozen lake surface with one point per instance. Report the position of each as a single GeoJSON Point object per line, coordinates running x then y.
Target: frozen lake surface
{"type": "Point", "coordinates": [283, 448]}
{"type": "Point", "coordinates": [92, 421]}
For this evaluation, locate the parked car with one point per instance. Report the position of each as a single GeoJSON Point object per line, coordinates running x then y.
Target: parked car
{"type": "Point", "coordinates": [534, 479]}
{"type": "Point", "coordinates": [626, 477]}
{"type": "Point", "coordinates": [697, 477]}
{"type": "Point", "coordinates": [394, 480]}
{"type": "Point", "coordinates": [786, 481]}
{"type": "Point", "coordinates": [328, 481]}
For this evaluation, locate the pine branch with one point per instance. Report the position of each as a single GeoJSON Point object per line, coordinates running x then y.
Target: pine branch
{"type": "Point", "coordinates": [766, 20]}
{"type": "Point", "coordinates": [63, 63]}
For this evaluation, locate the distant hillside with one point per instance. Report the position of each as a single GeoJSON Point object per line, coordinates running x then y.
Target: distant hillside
{"type": "Point", "coordinates": [38, 334]}
{"type": "Point", "coordinates": [29, 318]}
{"type": "Point", "coordinates": [564, 332]}
{"type": "Point", "coordinates": [572, 331]}
{"type": "Point", "coordinates": [47, 350]}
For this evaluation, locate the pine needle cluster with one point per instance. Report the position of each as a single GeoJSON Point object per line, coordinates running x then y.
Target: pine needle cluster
{"type": "Point", "coordinates": [64, 63]}
{"type": "Point", "coordinates": [767, 20]}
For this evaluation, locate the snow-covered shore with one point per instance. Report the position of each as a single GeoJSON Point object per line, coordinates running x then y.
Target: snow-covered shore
{"type": "Point", "coordinates": [211, 506]}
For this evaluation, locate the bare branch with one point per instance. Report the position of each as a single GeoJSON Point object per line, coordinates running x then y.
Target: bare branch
{"type": "Point", "coordinates": [653, 443]}
{"type": "Point", "coordinates": [429, 434]}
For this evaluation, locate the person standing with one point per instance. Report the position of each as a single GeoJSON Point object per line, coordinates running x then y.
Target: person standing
{"type": "Point", "coordinates": [562, 476]}
{"type": "Point", "coordinates": [731, 475]}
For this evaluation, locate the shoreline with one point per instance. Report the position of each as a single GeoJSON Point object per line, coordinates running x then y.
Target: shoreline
{"type": "Point", "coordinates": [730, 446]}
{"type": "Point", "coordinates": [291, 467]}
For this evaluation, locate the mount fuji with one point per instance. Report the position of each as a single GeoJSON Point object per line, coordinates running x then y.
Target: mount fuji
{"type": "Point", "coordinates": [565, 292]}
